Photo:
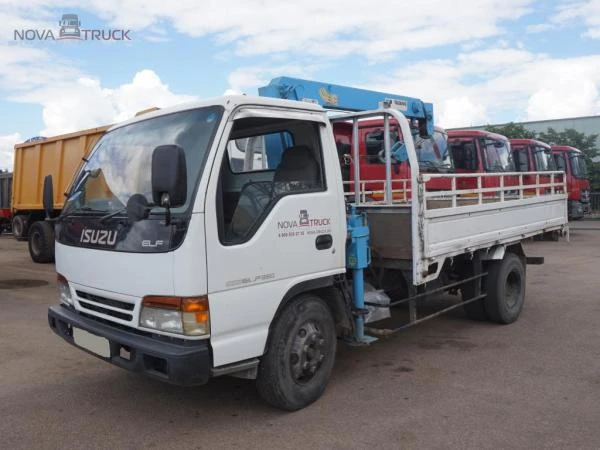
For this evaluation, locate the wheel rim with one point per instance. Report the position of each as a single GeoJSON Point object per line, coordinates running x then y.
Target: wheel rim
{"type": "Point", "coordinates": [513, 289]}
{"type": "Point", "coordinates": [308, 352]}
{"type": "Point", "coordinates": [35, 243]}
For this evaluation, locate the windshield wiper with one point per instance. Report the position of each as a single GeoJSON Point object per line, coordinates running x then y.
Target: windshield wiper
{"type": "Point", "coordinates": [84, 209]}
{"type": "Point", "coordinates": [112, 214]}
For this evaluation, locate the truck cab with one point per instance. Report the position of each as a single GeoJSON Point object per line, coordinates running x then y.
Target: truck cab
{"type": "Point", "coordinates": [571, 161]}
{"type": "Point", "coordinates": [531, 155]}
{"type": "Point", "coordinates": [148, 258]}
{"type": "Point", "coordinates": [475, 151]}
{"type": "Point", "coordinates": [432, 153]}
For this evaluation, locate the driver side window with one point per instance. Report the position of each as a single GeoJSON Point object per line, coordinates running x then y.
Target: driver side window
{"type": "Point", "coordinates": [266, 159]}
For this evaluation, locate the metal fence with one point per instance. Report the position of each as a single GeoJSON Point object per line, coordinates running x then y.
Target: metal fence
{"type": "Point", "coordinates": [595, 202]}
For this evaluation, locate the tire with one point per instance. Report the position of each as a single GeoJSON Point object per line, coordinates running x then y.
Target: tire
{"type": "Point", "coordinates": [19, 227]}
{"type": "Point", "coordinates": [41, 242]}
{"type": "Point", "coordinates": [295, 369]}
{"type": "Point", "coordinates": [505, 289]}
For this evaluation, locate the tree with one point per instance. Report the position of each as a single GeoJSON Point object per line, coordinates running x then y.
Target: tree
{"type": "Point", "coordinates": [512, 131]}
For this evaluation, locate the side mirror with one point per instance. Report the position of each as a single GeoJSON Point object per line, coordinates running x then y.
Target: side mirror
{"type": "Point", "coordinates": [169, 176]}
{"type": "Point", "coordinates": [48, 196]}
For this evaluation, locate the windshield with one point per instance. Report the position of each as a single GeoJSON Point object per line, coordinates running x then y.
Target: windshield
{"type": "Point", "coordinates": [542, 159]}
{"type": "Point", "coordinates": [578, 166]}
{"type": "Point", "coordinates": [432, 152]}
{"type": "Point", "coordinates": [120, 164]}
{"type": "Point", "coordinates": [497, 155]}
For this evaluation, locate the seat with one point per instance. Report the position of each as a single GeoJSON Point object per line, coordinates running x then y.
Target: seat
{"type": "Point", "coordinates": [297, 171]}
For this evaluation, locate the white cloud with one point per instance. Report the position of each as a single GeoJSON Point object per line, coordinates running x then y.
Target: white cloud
{"type": "Point", "coordinates": [538, 28]}
{"type": "Point", "coordinates": [248, 79]}
{"type": "Point", "coordinates": [7, 144]}
{"type": "Point", "coordinates": [25, 67]}
{"type": "Point", "coordinates": [454, 112]}
{"type": "Point", "coordinates": [560, 97]}
{"type": "Point", "coordinates": [325, 28]}
{"type": "Point", "coordinates": [85, 103]}
{"type": "Point", "coordinates": [587, 11]}
{"type": "Point", "coordinates": [487, 85]}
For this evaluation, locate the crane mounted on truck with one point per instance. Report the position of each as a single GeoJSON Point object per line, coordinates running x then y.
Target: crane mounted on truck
{"type": "Point", "coordinates": [430, 141]}
{"type": "Point", "coordinates": [176, 263]}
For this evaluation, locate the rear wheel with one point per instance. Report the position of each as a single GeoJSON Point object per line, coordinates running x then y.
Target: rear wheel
{"type": "Point", "coordinates": [295, 369]}
{"type": "Point", "coordinates": [19, 227]}
{"type": "Point", "coordinates": [505, 289]}
{"type": "Point", "coordinates": [41, 242]}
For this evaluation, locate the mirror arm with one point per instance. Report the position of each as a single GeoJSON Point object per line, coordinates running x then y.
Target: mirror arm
{"type": "Point", "coordinates": [165, 202]}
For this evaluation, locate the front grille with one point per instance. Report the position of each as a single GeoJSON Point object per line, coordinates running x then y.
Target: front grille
{"type": "Point", "coordinates": [123, 310]}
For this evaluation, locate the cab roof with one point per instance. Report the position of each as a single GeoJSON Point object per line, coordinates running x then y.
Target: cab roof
{"type": "Point", "coordinates": [475, 133]}
{"type": "Point", "coordinates": [528, 142]}
{"type": "Point", "coordinates": [229, 102]}
{"type": "Point", "coordinates": [564, 148]}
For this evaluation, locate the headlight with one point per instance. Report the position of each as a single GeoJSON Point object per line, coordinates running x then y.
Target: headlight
{"type": "Point", "coordinates": [64, 292]}
{"type": "Point", "coordinates": [182, 315]}
{"type": "Point", "coordinates": [161, 319]}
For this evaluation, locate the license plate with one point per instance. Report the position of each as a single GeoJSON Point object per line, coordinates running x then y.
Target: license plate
{"type": "Point", "coordinates": [91, 342]}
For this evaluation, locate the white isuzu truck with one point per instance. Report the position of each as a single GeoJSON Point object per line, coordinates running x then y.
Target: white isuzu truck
{"type": "Point", "coordinates": [176, 261]}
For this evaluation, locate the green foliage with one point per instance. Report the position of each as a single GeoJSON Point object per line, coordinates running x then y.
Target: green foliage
{"type": "Point", "coordinates": [587, 143]}
{"type": "Point", "coordinates": [512, 131]}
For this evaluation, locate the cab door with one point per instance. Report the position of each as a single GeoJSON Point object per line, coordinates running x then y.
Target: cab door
{"type": "Point", "coordinates": [269, 227]}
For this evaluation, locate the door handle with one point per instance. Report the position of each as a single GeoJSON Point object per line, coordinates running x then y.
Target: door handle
{"type": "Point", "coordinates": [323, 241]}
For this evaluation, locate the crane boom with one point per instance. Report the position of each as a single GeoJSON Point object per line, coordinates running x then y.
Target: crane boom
{"type": "Point", "coordinates": [346, 98]}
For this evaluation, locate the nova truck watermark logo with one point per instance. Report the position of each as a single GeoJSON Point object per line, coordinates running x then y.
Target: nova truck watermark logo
{"type": "Point", "coordinates": [304, 225]}
{"type": "Point", "coordinates": [70, 29]}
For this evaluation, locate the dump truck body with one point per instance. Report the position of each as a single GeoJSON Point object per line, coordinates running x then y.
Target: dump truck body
{"type": "Point", "coordinates": [59, 156]}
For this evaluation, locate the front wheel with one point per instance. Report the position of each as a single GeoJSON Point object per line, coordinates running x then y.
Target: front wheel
{"type": "Point", "coordinates": [505, 289]}
{"type": "Point", "coordinates": [295, 369]}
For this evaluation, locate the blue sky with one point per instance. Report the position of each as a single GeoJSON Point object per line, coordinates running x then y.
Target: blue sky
{"type": "Point", "coordinates": [485, 61]}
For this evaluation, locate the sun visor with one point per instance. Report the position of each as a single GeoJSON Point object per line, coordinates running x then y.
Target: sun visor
{"type": "Point", "coordinates": [279, 113]}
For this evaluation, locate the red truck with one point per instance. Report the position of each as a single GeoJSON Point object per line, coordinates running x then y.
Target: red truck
{"type": "Point", "coordinates": [475, 151]}
{"type": "Point", "coordinates": [531, 155]}
{"type": "Point", "coordinates": [5, 195]}
{"type": "Point", "coordinates": [571, 160]}
{"type": "Point", "coordinates": [433, 155]}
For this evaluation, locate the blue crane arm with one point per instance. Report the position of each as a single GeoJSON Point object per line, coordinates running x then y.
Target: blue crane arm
{"type": "Point", "coordinates": [345, 98]}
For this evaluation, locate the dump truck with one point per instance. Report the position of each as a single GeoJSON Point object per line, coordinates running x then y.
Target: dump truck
{"type": "Point", "coordinates": [59, 156]}
{"type": "Point", "coordinates": [173, 262]}
{"type": "Point", "coordinates": [5, 194]}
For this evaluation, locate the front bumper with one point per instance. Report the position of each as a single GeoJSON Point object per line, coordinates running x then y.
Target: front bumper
{"type": "Point", "coordinates": [182, 364]}
{"type": "Point", "coordinates": [575, 209]}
